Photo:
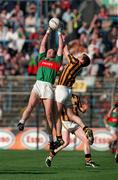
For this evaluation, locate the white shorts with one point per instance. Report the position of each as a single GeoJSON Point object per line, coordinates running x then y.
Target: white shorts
{"type": "Point", "coordinates": [63, 95]}
{"type": "Point", "coordinates": [113, 130]}
{"type": "Point", "coordinates": [43, 89]}
{"type": "Point", "coordinates": [70, 126]}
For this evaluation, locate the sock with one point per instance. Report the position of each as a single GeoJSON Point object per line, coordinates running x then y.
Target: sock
{"type": "Point", "coordinates": [50, 138]}
{"type": "Point", "coordinates": [87, 157]}
{"type": "Point", "coordinates": [51, 155]}
{"type": "Point", "coordinates": [59, 137]}
{"type": "Point", "coordinates": [22, 121]}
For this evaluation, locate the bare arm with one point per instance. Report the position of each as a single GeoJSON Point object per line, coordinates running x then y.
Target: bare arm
{"type": "Point", "coordinates": [60, 47]}
{"type": "Point", "coordinates": [66, 53]}
{"type": "Point", "coordinates": [110, 111]}
{"type": "Point", "coordinates": [44, 41]}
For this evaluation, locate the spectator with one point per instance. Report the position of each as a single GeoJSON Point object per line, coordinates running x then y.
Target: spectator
{"type": "Point", "coordinates": [19, 43]}
{"type": "Point", "coordinates": [20, 39]}
{"type": "Point", "coordinates": [67, 20]}
{"type": "Point", "coordinates": [76, 20]}
{"type": "Point", "coordinates": [65, 4]}
{"type": "Point", "coordinates": [32, 66]}
{"type": "Point", "coordinates": [2, 31]}
{"type": "Point", "coordinates": [103, 13]}
{"type": "Point", "coordinates": [30, 23]}
{"type": "Point", "coordinates": [98, 60]}
{"type": "Point", "coordinates": [16, 17]}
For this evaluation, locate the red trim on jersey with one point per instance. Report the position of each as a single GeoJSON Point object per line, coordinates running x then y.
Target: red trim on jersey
{"type": "Point", "coordinates": [112, 119]}
{"type": "Point", "coordinates": [49, 64]}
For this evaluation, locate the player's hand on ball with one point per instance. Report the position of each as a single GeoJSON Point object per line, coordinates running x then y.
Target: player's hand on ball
{"type": "Point", "coordinates": [59, 30]}
{"type": "Point", "coordinates": [49, 30]}
{"type": "Point", "coordinates": [89, 135]}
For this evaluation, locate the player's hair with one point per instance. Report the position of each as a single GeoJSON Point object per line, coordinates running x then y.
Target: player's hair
{"type": "Point", "coordinates": [55, 52]}
{"type": "Point", "coordinates": [115, 104]}
{"type": "Point", "coordinates": [86, 59]}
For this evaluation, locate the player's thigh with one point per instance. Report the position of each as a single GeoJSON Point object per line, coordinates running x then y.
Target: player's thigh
{"type": "Point", "coordinates": [62, 93]}
{"type": "Point", "coordinates": [33, 99]}
{"type": "Point", "coordinates": [59, 107]}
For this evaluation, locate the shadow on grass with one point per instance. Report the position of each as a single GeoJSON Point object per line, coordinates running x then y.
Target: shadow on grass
{"type": "Point", "coordinates": [25, 172]}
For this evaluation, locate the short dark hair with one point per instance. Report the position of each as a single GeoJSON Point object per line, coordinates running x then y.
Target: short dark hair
{"type": "Point", "coordinates": [86, 59]}
{"type": "Point", "coordinates": [115, 105]}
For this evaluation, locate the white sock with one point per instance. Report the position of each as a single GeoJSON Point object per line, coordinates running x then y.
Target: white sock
{"type": "Point", "coordinates": [22, 121]}
{"type": "Point", "coordinates": [50, 158]}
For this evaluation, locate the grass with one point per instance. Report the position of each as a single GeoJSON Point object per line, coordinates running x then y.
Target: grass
{"type": "Point", "coordinates": [68, 165]}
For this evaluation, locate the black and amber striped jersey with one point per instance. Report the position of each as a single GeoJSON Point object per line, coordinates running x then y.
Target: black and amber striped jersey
{"type": "Point", "coordinates": [76, 103]}
{"type": "Point", "coordinates": [67, 78]}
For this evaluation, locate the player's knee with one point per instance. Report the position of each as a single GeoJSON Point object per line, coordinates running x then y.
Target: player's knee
{"type": "Point", "coordinates": [66, 143]}
{"type": "Point", "coordinates": [48, 116]}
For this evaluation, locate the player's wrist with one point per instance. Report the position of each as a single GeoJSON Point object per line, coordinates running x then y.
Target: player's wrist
{"type": "Point", "coordinates": [48, 30]}
{"type": "Point", "coordinates": [59, 33]}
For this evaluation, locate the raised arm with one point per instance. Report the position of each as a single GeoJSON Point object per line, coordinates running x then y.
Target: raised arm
{"type": "Point", "coordinates": [110, 112]}
{"type": "Point", "coordinates": [61, 44]}
{"type": "Point", "coordinates": [66, 53]}
{"type": "Point", "coordinates": [44, 41]}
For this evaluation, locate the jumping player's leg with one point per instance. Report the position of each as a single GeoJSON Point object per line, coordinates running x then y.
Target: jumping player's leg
{"type": "Point", "coordinates": [61, 95]}
{"type": "Point", "coordinates": [33, 100]}
{"type": "Point", "coordinates": [48, 105]}
{"type": "Point", "coordinates": [52, 154]}
{"type": "Point", "coordinates": [59, 107]}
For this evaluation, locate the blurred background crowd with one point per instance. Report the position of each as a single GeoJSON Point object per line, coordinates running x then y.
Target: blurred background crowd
{"type": "Point", "coordinates": [89, 25]}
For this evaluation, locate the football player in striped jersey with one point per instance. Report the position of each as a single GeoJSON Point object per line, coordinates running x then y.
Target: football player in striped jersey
{"type": "Point", "coordinates": [74, 128]}
{"type": "Point", "coordinates": [63, 91]}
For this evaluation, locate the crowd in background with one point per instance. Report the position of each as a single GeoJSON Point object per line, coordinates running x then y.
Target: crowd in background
{"type": "Point", "coordinates": [23, 25]}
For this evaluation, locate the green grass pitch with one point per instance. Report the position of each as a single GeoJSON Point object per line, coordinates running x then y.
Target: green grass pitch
{"type": "Point", "coordinates": [68, 165]}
